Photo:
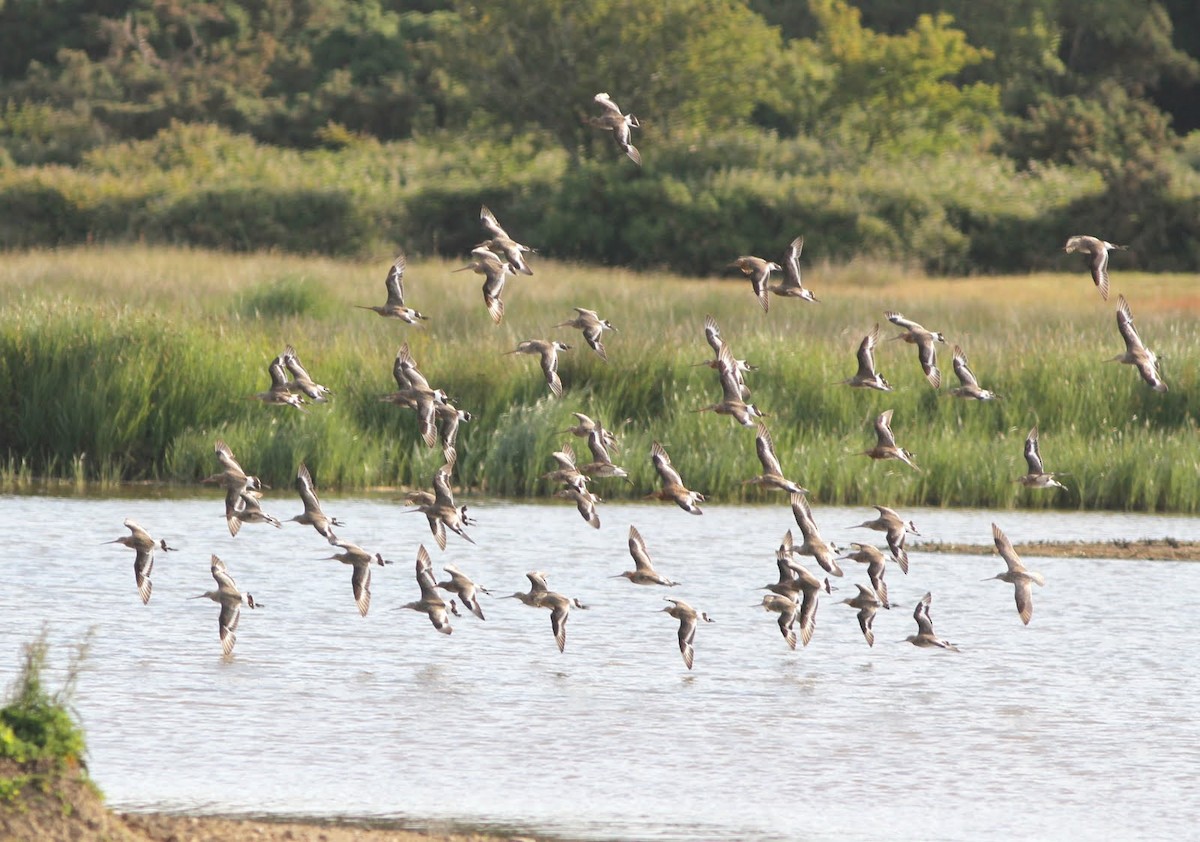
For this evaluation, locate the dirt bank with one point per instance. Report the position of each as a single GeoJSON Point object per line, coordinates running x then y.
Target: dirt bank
{"type": "Point", "coordinates": [63, 806]}
{"type": "Point", "coordinates": [1155, 549]}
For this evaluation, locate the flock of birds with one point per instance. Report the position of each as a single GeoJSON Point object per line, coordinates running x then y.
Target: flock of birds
{"type": "Point", "coordinates": [793, 596]}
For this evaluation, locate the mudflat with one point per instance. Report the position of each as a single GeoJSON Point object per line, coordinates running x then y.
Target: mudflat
{"type": "Point", "coordinates": [1150, 549]}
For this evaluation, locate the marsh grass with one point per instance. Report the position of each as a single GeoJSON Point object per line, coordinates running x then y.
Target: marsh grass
{"type": "Point", "coordinates": [127, 363]}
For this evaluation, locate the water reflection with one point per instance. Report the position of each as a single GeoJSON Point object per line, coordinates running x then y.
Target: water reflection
{"type": "Point", "coordinates": [1083, 721]}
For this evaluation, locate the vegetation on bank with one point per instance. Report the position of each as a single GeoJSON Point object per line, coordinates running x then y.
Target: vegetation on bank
{"type": "Point", "coordinates": [37, 729]}
{"type": "Point", "coordinates": [129, 363]}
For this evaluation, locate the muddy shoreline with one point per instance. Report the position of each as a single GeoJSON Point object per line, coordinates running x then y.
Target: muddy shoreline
{"type": "Point", "coordinates": [1150, 549]}
{"type": "Point", "coordinates": [49, 802]}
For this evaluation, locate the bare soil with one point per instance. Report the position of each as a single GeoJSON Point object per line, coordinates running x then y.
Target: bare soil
{"type": "Point", "coordinates": [1154, 549]}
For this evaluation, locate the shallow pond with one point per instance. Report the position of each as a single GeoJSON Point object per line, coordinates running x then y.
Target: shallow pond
{"type": "Point", "coordinates": [1080, 725]}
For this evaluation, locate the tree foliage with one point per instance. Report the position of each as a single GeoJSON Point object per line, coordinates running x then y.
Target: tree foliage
{"type": "Point", "coordinates": [900, 88]}
{"type": "Point", "coordinates": [677, 64]}
{"type": "Point", "coordinates": [724, 89]}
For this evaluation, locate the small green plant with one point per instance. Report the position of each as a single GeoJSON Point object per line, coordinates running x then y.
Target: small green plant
{"type": "Point", "coordinates": [36, 724]}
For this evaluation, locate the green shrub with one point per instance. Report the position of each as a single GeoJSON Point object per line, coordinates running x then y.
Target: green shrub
{"type": "Point", "coordinates": [36, 724]}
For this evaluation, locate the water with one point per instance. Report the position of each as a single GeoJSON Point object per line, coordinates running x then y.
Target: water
{"type": "Point", "coordinates": [1080, 725]}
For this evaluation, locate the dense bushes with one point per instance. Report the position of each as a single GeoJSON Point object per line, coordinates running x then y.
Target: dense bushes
{"type": "Point", "coordinates": [700, 201]}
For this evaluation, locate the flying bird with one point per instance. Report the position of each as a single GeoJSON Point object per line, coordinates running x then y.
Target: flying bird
{"type": "Point", "coordinates": [688, 618]}
{"type": "Point", "coordinates": [759, 272]}
{"type": "Point", "coordinates": [593, 327]}
{"type": "Point", "coordinates": [643, 572]}
{"type": "Point", "coordinates": [1095, 252]}
{"type": "Point", "coordinates": [144, 546]}
{"type": "Point", "coordinates": [772, 475]}
{"type": "Point", "coordinates": [1136, 354]}
{"type": "Point", "coordinates": [394, 307]}
{"type": "Point", "coordinates": [925, 636]}
{"type": "Point", "coordinates": [867, 377]}
{"type": "Point", "coordinates": [360, 579]}
{"type": "Point", "coordinates": [231, 600]}
{"type": "Point", "coordinates": [431, 603]}
{"type": "Point", "coordinates": [673, 488]}
{"type": "Point", "coordinates": [502, 244]}
{"type": "Point", "coordinates": [495, 271]}
{"type": "Point", "coordinates": [548, 350]}
{"type": "Point", "coordinates": [916, 334]}
{"type": "Point", "coordinates": [969, 387]}
{"type": "Point", "coordinates": [313, 515]}
{"type": "Point", "coordinates": [1016, 574]}
{"type": "Point", "coordinates": [792, 286]}
{"type": "Point", "coordinates": [885, 447]}
{"type": "Point", "coordinates": [1037, 477]}
{"type": "Point", "coordinates": [867, 603]}
{"type": "Point", "coordinates": [619, 124]}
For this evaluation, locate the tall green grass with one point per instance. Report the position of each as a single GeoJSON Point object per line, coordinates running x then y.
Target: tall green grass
{"type": "Point", "coordinates": [128, 363]}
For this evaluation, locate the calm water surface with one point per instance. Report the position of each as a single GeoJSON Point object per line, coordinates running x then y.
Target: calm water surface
{"type": "Point", "coordinates": [1081, 725]}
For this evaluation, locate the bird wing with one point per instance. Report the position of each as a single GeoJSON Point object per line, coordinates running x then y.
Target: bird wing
{"type": "Point", "coordinates": [360, 581]}
{"type": "Point", "coordinates": [489, 221]}
{"type": "Point", "coordinates": [687, 635]}
{"type": "Point", "coordinates": [637, 549]}
{"type": "Point", "coordinates": [787, 619]}
{"type": "Point", "coordinates": [275, 370]}
{"type": "Point", "coordinates": [221, 575]}
{"type": "Point", "coordinates": [443, 493]}
{"type": "Point", "coordinates": [804, 519]}
{"type": "Point", "coordinates": [921, 615]}
{"type": "Point", "coordinates": [1024, 596]}
{"type": "Point", "coordinates": [963, 372]}
{"type": "Point", "coordinates": [493, 289]}
{"type": "Point", "coordinates": [927, 354]}
{"type": "Point", "coordinates": [1133, 342]}
{"type": "Point", "coordinates": [227, 623]}
{"type": "Point", "coordinates": [760, 274]}
{"type": "Point", "coordinates": [412, 375]}
{"type": "Point", "coordinates": [808, 615]}
{"type": "Point", "coordinates": [294, 365]}
{"type": "Point", "coordinates": [1148, 368]}
{"type": "Point", "coordinates": [591, 335]}
{"type": "Point", "coordinates": [308, 495]}
{"type": "Point", "coordinates": [427, 420]}
{"type": "Point", "coordinates": [424, 573]}
{"type": "Point", "coordinates": [764, 446]}
{"type": "Point", "coordinates": [1005, 548]}
{"type": "Point", "coordinates": [883, 429]}
{"type": "Point", "coordinates": [225, 457]}
{"type": "Point", "coordinates": [608, 105]}
{"type": "Point", "coordinates": [143, 563]}
{"type": "Point", "coordinates": [395, 283]}
{"type": "Point", "coordinates": [596, 445]}
{"type": "Point", "coordinates": [1098, 263]}
{"type": "Point", "coordinates": [558, 623]}
{"type": "Point", "coordinates": [791, 264]}
{"type": "Point", "coordinates": [899, 320]}
{"type": "Point", "coordinates": [550, 369]}
{"type": "Point", "coordinates": [866, 621]}
{"type": "Point", "coordinates": [712, 334]}
{"type": "Point", "coordinates": [565, 457]}
{"type": "Point", "coordinates": [1033, 456]}
{"type": "Point", "coordinates": [866, 353]}
{"type": "Point", "coordinates": [662, 464]}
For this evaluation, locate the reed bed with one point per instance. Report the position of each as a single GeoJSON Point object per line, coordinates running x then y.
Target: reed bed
{"type": "Point", "coordinates": [127, 363]}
